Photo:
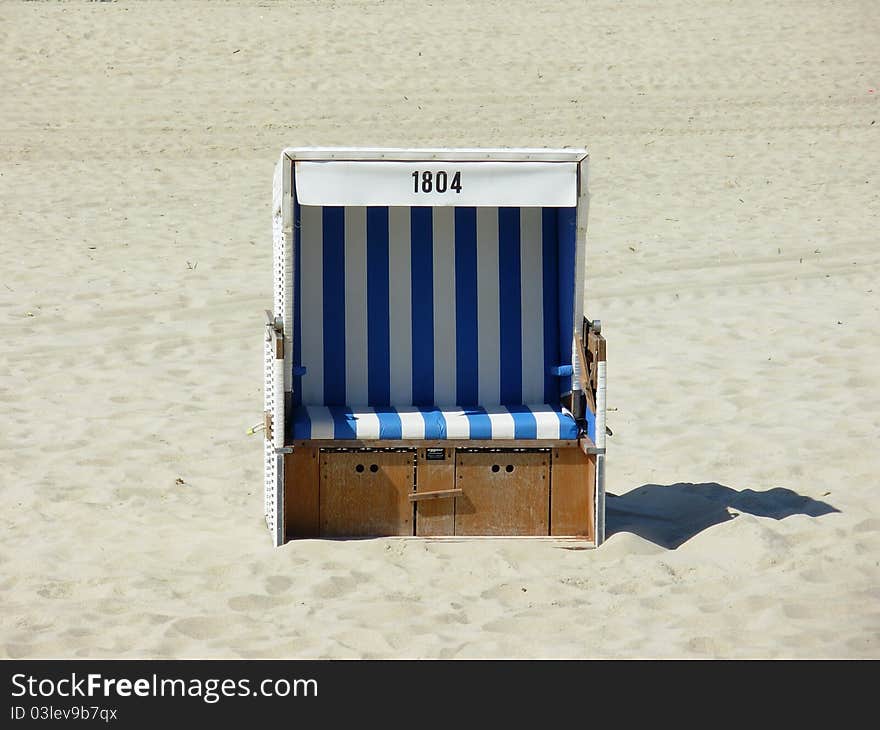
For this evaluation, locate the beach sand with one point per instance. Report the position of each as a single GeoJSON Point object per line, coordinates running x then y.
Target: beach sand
{"type": "Point", "coordinates": [732, 257]}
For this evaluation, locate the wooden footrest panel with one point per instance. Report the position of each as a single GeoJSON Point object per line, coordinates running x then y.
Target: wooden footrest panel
{"type": "Point", "coordinates": [432, 492]}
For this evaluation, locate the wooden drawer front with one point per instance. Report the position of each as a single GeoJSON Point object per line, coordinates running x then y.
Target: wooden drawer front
{"type": "Point", "coordinates": [301, 493]}
{"type": "Point", "coordinates": [572, 488]}
{"type": "Point", "coordinates": [435, 517]}
{"type": "Point", "coordinates": [366, 494]}
{"type": "Point", "coordinates": [504, 493]}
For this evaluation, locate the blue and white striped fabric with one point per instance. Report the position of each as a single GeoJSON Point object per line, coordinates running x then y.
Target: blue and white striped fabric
{"type": "Point", "coordinates": [433, 307]}
{"type": "Point", "coordinates": [494, 422]}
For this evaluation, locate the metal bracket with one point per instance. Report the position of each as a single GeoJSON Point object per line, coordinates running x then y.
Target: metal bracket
{"type": "Point", "coordinates": [275, 332]}
{"type": "Point", "coordinates": [588, 447]}
{"type": "Point", "coordinates": [273, 322]}
{"type": "Point", "coordinates": [284, 450]}
{"type": "Point", "coordinates": [268, 424]}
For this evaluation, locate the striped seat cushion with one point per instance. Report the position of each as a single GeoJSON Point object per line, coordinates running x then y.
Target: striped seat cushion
{"type": "Point", "coordinates": [409, 422]}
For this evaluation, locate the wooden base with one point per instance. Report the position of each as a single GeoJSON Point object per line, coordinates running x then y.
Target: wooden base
{"type": "Point", "coordinates": [440, 492]}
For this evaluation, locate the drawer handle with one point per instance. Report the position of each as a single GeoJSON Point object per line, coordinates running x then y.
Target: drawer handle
{"type": "Point", "coordinates": [440, 494]}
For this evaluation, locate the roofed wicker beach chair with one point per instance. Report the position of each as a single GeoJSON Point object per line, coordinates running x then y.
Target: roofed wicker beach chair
{"type": "Point", "coordinates": [428, 367]}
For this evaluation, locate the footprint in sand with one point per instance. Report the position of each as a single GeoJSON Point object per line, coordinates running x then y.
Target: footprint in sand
{"type": "Point", "coordinates": [201, 627]}
{"type": "Point", "coordinates": [814, 575]}
{"type": "Point", "coordinates": [759, 602]}
{"type": "Point", "coordinates": [703, 645]}
{"type": "Point", "coordinates": [872, 524]}
{"type": "Point", "coordinates": [511, 624]}
{"type": "Point", "coordinates": [17, 651]}
{"type": "Point", "coordinates": [447, 618]}
{"type": "Point", "coordinates": [450, 652]}
{"type": "Point", "coordinates": [59, 589]}
{"type": "Point", "coordinates": [253, 602]}
{"type": "Point", "coordinates": [801, 610]}
{"type": "Point", "coordinates": [865, 645]}
{"type": "Point", "coordinates": [337, 586]}
{"type": "Point", "coordinates": [276, 584]}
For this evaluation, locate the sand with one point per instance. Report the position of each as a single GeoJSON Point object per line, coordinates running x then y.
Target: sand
{"type": "Point", "coordinates": [732, 257]}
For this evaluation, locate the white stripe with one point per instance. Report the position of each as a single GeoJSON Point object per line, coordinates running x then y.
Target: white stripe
{"type": "Point", "coordinates": [366, 423]}
{"type": "Point", "coordinates": [547, 421]}
{"type": "Point", "coordinates": [488, 307]}
{"type": "Point", "coordinates": [312, 303]}
{"type": "Point", "coordinates": [444, 306]}
{"type": "Point", "coordinates": [412, 422]}
{"type": "Point", "coordinates": [400, 305]}
{"type": "Point", "coordinates": [501, 422]}
{"type": "Point", "coordinates": [532, 274]}
{"type": "Point", "coordinates": [322, 422]}
{"type": "Point", "coordinates": [457, 424]}
{"type": "Point", "coordinates": [356, 392]}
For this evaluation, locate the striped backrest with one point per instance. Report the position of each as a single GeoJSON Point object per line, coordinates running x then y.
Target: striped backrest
{"type": "Point", "coordinates": [429, 306]}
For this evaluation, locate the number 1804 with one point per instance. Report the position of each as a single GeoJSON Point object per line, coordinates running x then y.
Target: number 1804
{"type": "Point", "coordinates": [435, 182]}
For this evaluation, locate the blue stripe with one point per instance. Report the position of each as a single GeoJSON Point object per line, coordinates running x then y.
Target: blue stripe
{"type": "Point", "coordinates": [297, 308]}
{"type": "Point", "coordinates": [566, 229]}
{"type": "Point", "coordinates": [509, 265]}
{"type": "Point", "coordinates": [334, 305]}
{"type": "Point", "coordinates": [466, 343]}
{"type": "Point", "coordinates": [524, 424]}
{"type": "Point", "coordinates": [559, 370]}
{"type": "Point", "coordinates": [378, 321]}
{"type": "Point", "coordinates": [591, 423]}
{"type": "Point", "coordinates": [422, 258]}
{"type": "Point", "coordinates": [551, 303]}
{"type": "Point", "coordinates": [568, 428]}
{"type": "Point", "coordinates": [344, 424]}
{"type": "Point", "coordinates": [480, 423]}
{"type": "Point", "coordinates": [435, 424]}
{"type": "Point", "coordinates": [389, 423]}
{"type": "Point", "coordinates": [302, 425]}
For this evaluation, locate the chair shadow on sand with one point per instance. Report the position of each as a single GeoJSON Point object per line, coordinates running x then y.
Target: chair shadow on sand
{"type": "Point", "coordinates": [669, 515]}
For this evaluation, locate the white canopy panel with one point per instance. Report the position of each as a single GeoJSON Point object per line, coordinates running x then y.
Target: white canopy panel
{"type": "Point", "coordinates": [436, 183]}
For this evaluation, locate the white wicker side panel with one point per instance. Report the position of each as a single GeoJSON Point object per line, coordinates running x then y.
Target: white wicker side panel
{"type": "Point", "coordinates": [273, 389]}
{"type": "Point", "coordinates": [287, 244]}
{"type": "Point", "coordinates": [269, 476]}
{"type": "Point", "coordinates": [601, 401]}
{"type": "Point", "coordinates": [282, 257]}
{"type": "Point", "coordinates": [276, 374]}
{"type": "Point", "coordinates": [279, 273]}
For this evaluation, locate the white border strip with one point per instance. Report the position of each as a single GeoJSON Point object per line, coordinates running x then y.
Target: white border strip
{"type": "Point", "coordinates": [460, 154]}
{"type": "Point", "coordinates": [580, 263]}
